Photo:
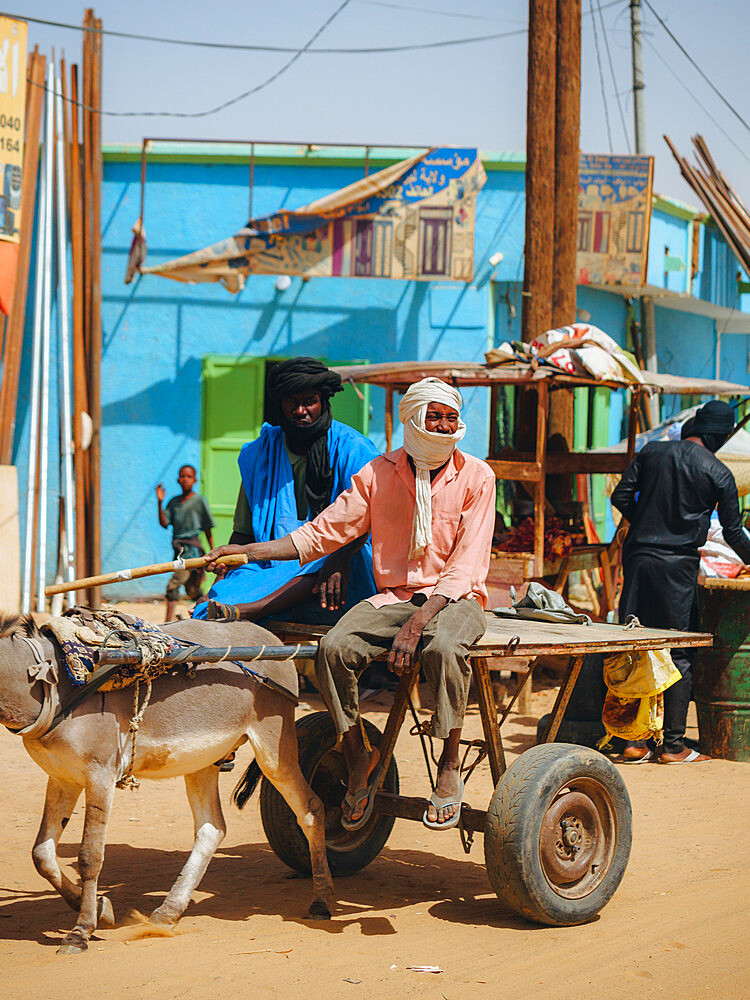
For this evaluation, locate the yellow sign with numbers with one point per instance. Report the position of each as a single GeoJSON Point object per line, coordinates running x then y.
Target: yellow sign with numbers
{"type": "Point", "coordinates": [12, 114]}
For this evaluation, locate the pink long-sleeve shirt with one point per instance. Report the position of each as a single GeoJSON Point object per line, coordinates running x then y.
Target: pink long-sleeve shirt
{"type": "Point", "coordinates": [381, 500]}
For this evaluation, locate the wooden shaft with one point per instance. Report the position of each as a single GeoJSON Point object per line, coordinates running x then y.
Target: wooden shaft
{"type": "Point", "coordinates": [412, 807]}
{"type": "Point", "coordinates": [389, 418]}
{"type": "Point", "coordinates": [95, 405]}
{"type": "Point", "coordinates": [488, 712]}
{"type": "Point", "coordinates": [540, 486]}
{"type": "Point", "coordinates": [80, 400]}
{"type": "Point", "coordinates": [563, 697]}
{"type": "Point", "coordinates": [139, 571]}
{"type": "Point", "coordinates": [540, 171]}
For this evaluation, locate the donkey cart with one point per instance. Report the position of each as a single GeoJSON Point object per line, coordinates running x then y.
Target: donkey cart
{"type": "Point", "coordinates": [557, 831]}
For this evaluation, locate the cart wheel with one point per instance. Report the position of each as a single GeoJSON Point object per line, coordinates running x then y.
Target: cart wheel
{"type": "Point", "coordinates": [558, 832]}
{"type": "Point", "coordinates": [325, 769]}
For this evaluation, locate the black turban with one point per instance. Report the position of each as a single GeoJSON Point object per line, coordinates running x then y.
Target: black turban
{"type": "Point", "coordinates": [713, 424]}
{"type": "Point", "coordinates": [307, 375]}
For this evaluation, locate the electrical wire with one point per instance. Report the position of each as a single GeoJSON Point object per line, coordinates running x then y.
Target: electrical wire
{"type": "Point", "coordinates": [601, 76]}
{"type": "Point", "coordinates": [612, 74]}
{"type": "Point", "coordinates": [432, 10]}
{"type": "Point", "coordinates": [695, 65]}
{"type": "Point", "coordinates": [234, 46]}
{"type": "Point", "coordinates": [703, 108]}
{"type": "Point", "coordinates": [370, 50]}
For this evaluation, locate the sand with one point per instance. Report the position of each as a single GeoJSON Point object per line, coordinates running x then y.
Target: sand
{"type": "Point", "coordinates": [677, 926]}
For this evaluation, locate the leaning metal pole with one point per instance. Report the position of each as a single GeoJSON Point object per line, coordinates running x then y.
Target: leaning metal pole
{"type": "Point", "coordinates": [63, 324]}
{"type": "Point", "coordinates": [46, 338]}
{"type": "Point", "coordinates": [28, 561]}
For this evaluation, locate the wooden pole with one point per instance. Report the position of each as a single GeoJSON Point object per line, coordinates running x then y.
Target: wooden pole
{"type": "Point", "coordinates": [539, 487]}
{"type": "Point", "coordinates": [95, 340]}
{"type": "Point", "coordinates": [80, 396]}
{"type": "Point", "coordinates": [567, 134]}
{"type": "Point", "coordinates": [14, 330]}
{"type": "Point", "coordinates": [388, 418]}
{"type": "Point", "coordinates": [540, 170]}
{"type": "Point", "coordinates": [154, 569]}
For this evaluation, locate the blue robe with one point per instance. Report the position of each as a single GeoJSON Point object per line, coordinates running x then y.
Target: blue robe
{"type": "Point", "coordinates": [269, 486]}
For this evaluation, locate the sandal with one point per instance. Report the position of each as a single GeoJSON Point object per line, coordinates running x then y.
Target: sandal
{"type": "Point", "coordinates": [354, 799]}
{"type": "Point", "coordinates": [440, 803]}
{"type": "Point", "coordinates": [217, 612]}
{"type": "Point", "coordinates": [647, 757]}
{"type": "Point", "coordinates": [693, 757]}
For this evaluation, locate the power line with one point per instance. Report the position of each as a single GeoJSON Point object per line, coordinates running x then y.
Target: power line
{"type": "Point", "coordinates": [370, 50]}
{"type": "Point", "coordinates": [225, 104]}
{"type": "Point", "coordinates": [283, 49]}
{"type": "Point", "coordinates": [601, 76]}
{"type": "Point", "coordinates": [612, 74]}
{"type": "Point", "coordinates": [432, 10]}
{"type": "Point", "coordinates": [703, 108]}
{"type": "Point", "coordinates": [695, 65]}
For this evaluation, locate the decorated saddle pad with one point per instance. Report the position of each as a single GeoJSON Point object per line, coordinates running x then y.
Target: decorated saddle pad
{"type": "Point", "coordinates": [81, 632]}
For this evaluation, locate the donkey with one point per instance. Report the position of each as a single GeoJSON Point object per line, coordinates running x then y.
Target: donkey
{"type": "Point", "coordinates": [188, 726]}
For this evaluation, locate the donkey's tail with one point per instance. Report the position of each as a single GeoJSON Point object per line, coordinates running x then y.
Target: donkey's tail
{"type": "Point", "coordinates": [246, 785]}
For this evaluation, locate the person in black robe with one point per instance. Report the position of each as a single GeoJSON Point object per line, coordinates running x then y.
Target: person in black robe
{"type": "Point", "coordinates": [667, 494]}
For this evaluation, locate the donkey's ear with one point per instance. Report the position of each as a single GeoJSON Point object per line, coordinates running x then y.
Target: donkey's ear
{"type": "Point", "coordinates": [29, 626]}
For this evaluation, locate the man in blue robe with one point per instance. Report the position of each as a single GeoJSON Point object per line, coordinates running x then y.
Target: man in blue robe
{"type": "Point", "coordinates": [300, 463]}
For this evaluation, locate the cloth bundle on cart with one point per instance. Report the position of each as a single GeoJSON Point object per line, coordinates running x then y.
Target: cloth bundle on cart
{"type": "Point", "coordinates": [81, 632]}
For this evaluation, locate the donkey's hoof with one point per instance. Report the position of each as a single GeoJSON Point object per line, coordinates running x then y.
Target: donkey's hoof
{"type": "Point", "coordinates": [105, 915]}
{"type": "Point", "coordinates": [73, 944]}
{"type": "Point", "coordinates": [163, 918]}
{"type": "Point", "coordinates": [319, 910]}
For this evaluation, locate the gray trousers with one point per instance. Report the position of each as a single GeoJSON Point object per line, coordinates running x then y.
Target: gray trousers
{"type": "Point", "coordinates": [364, 632]}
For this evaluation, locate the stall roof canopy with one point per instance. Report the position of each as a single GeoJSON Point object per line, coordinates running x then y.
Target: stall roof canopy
{"type": "Point", "coordinates": [401, 374]}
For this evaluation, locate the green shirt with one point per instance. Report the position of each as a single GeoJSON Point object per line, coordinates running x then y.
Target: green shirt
{"type": "Point", "coordinates": [188, 518]}
{"type": "Point", "coordinates": [243, 521]}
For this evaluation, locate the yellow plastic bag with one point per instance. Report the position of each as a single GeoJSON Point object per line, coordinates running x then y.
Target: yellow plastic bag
{"type": "Point", "coordinates": [634, 706]}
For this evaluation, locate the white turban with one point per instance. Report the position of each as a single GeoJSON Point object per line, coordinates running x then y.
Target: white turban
{"type": "Point", "coordinates": [428, 449]}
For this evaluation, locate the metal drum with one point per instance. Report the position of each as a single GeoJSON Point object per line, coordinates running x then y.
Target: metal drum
{"type": "Point", "coordinates": [721, 673]}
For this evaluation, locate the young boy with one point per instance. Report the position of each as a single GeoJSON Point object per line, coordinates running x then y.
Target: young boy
{"type": "Point", "coordinates": [189, 514]}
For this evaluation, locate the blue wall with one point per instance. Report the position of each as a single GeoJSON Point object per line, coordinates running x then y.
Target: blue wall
{"type": "Point", "coordinates": [156, 332]}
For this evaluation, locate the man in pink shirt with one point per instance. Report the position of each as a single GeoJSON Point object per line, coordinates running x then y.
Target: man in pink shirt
{"type": "Point", "coordinates": [431, 511]}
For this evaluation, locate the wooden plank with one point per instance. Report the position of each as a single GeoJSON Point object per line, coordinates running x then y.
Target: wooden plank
{"type": "Point", "coordinates": [536, 638]}
{"type": "Point", "coordinates": [389, 418]}
{"type": "Point", "coordinates": [576, 462]}
{"type": "Point", "coordinates": [10, 546]}
{"type": "Point", "coordinates": [529, 472]}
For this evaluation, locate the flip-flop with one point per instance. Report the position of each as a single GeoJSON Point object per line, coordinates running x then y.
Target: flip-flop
{"type": "Point", "coordinates": [440, 803]}
{"type": "Point", "coordinates": [693, 757]}
{"type": "Point", "coordinates": [353, 799]}
{"type": "Point", "coordinates": [647, 758]}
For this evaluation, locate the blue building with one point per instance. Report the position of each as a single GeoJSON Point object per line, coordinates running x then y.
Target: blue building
{"type": "Point", "coordinates": [161, 338]}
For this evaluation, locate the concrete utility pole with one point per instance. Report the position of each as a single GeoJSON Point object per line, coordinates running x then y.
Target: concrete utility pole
{"type": "Point", "coordinates": [567, 136]}
{"type": "Point", "coordinates": [648, 319]}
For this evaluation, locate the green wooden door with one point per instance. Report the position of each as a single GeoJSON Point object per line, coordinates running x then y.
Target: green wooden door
{"type": "Point", "coordinates": [233, 403]}
{"type": "Point", "coordinates": [232, 415]}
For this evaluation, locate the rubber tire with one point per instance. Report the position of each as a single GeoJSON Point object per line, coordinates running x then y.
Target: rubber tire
{"type": "Point", "coordinates": [514, 822]}
{"type": "Point", "coordinates": [347, 852]}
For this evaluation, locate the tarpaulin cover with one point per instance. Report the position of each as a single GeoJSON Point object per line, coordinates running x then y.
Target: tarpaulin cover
{"type": "Point", "coordinates": [412, 220]}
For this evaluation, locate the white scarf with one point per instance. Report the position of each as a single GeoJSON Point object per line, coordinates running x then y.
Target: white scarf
{"type": "Point", "coordinates": [428, 449]}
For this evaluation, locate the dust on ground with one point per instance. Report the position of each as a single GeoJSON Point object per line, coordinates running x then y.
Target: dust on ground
{"type": "Point", "coordinates": [677, 926]}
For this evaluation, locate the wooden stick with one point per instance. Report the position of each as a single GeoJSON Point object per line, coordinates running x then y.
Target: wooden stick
{"type": "Point", "coordinates": [139, 571]}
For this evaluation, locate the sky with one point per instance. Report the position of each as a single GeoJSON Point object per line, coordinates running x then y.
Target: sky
{"type": "Point", "coordinates": [472, 94]}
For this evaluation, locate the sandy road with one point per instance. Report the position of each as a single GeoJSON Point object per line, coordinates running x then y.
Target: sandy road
{"type": "Point", "coordinates": [678, 925]}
